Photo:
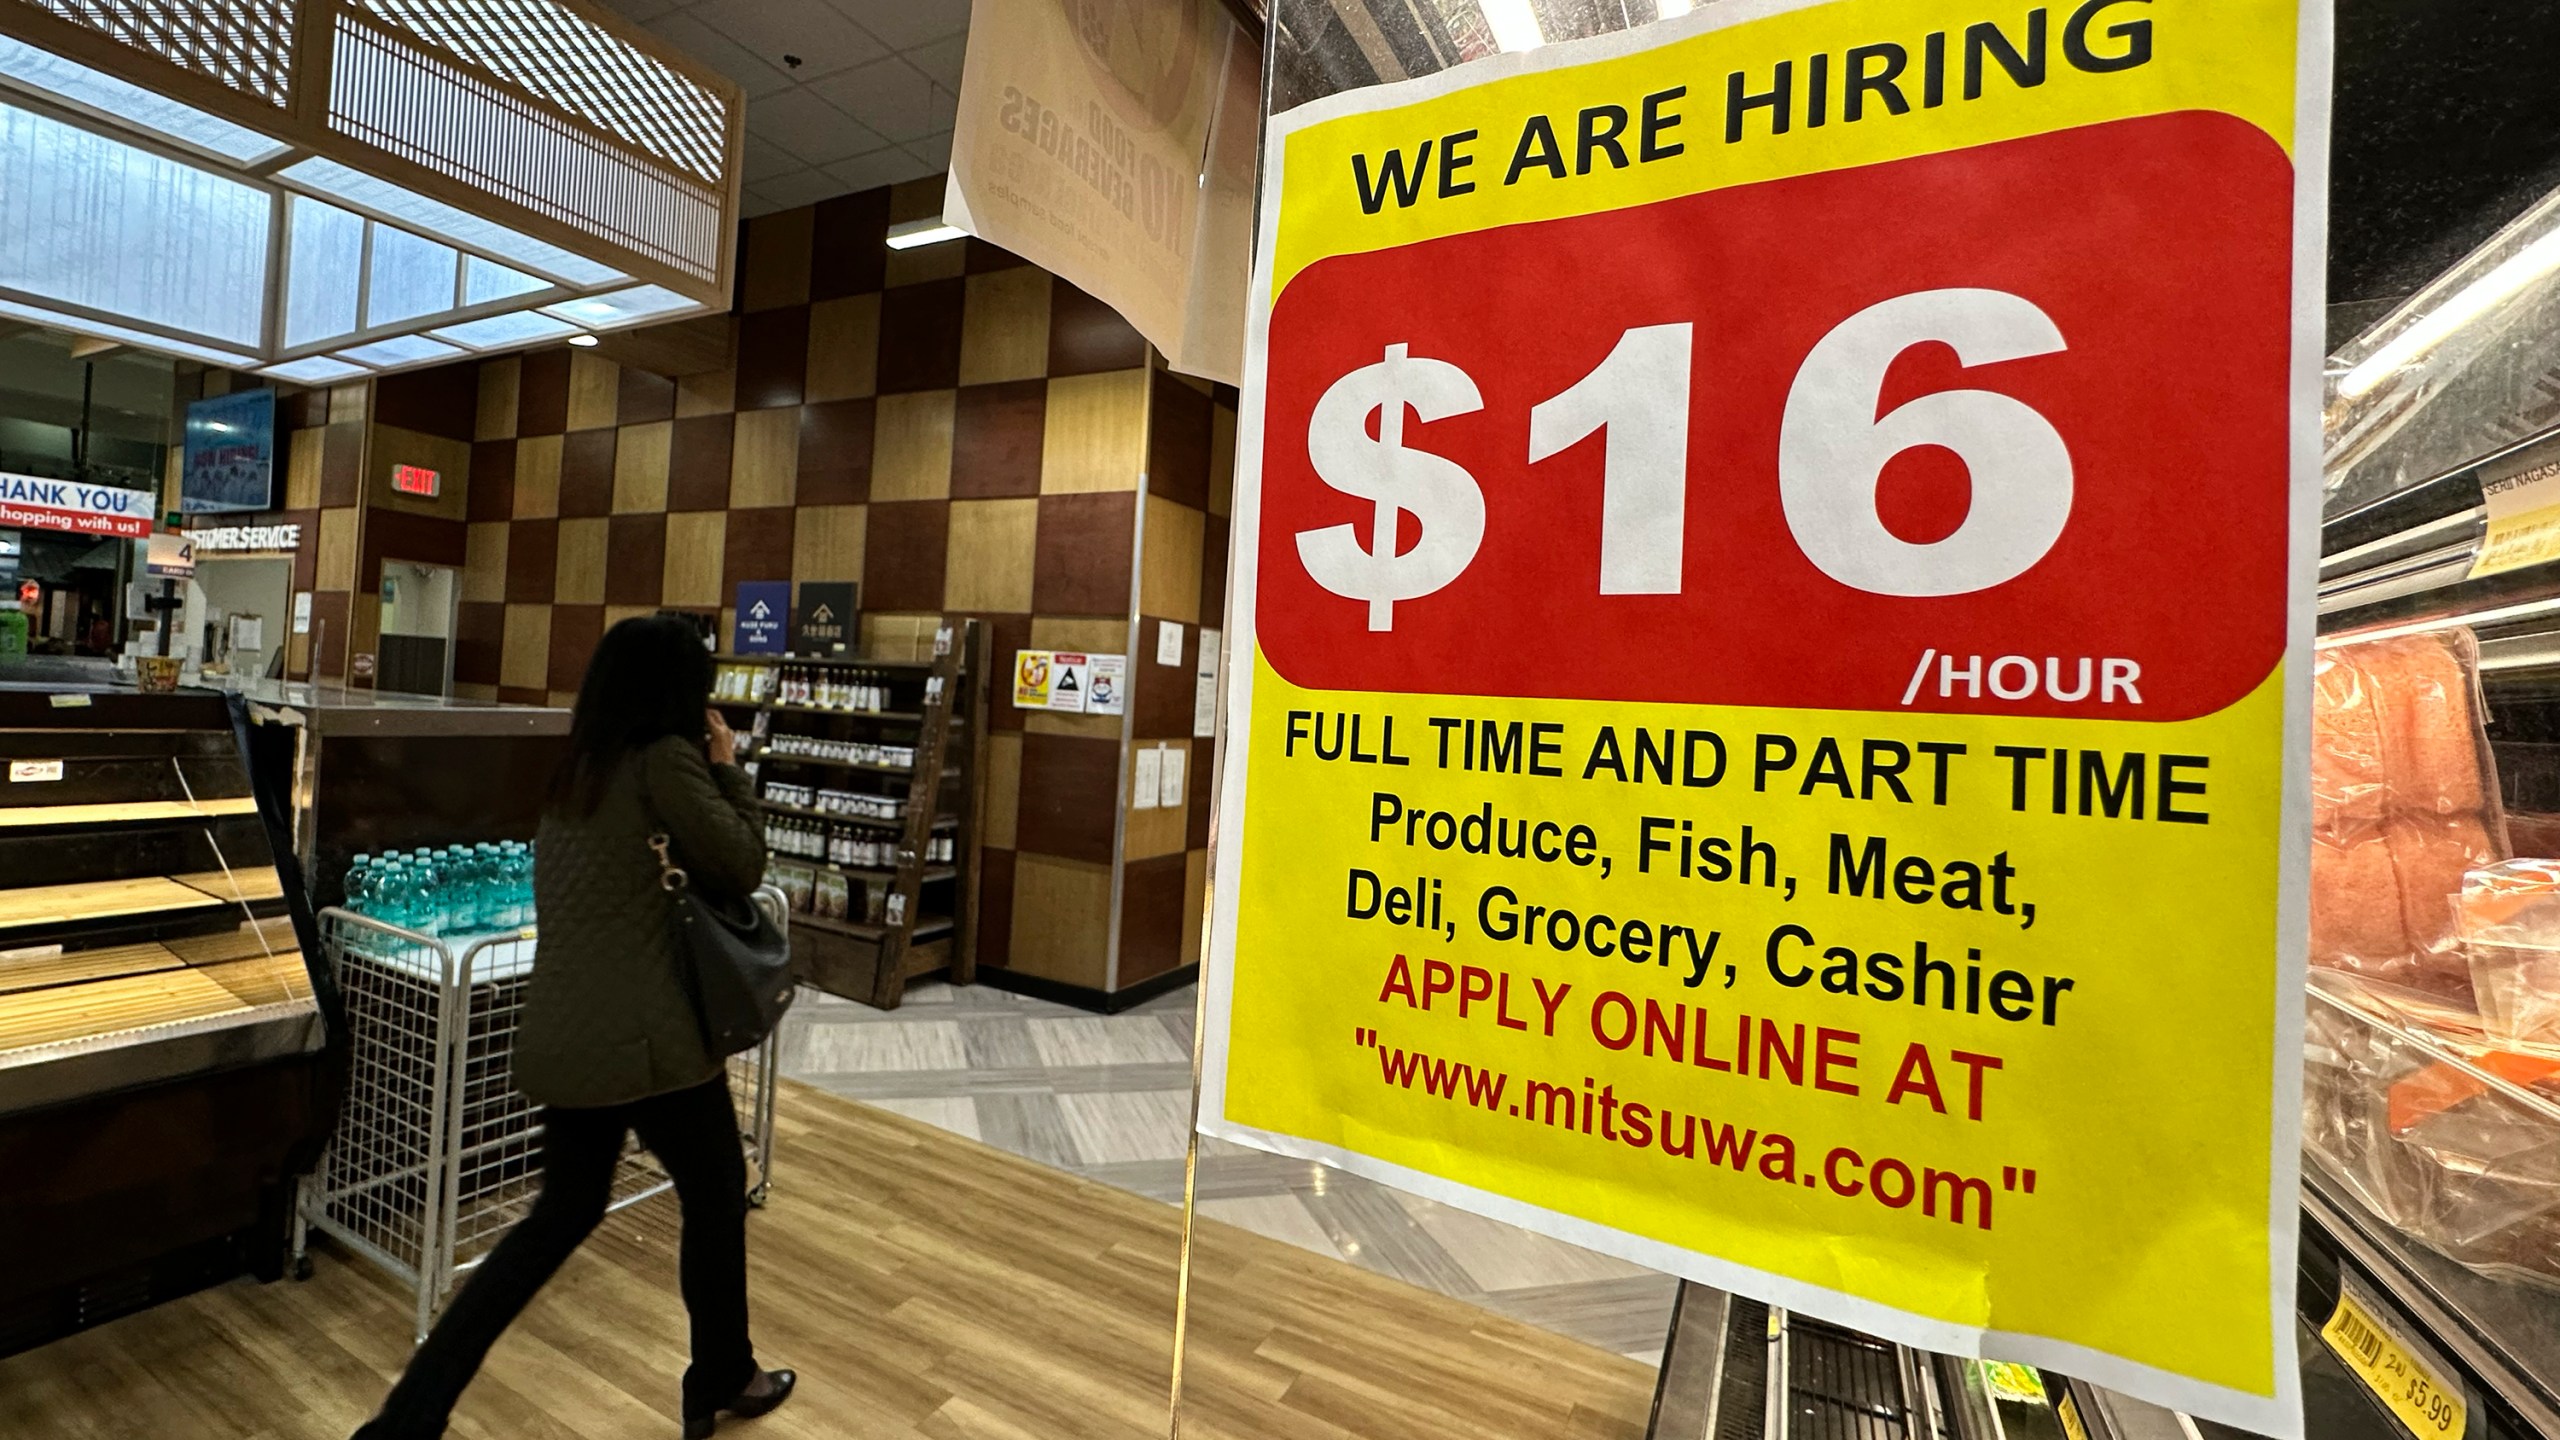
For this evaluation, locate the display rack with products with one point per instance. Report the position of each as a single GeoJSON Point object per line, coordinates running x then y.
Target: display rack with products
{"type": "Point", "coordinates": [868, 771]}
{"type": "Point", "coordinates": [161, 1035]}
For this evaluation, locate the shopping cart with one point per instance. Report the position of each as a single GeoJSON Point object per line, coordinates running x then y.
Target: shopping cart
{"type": "Point", "coordinates": [435, 1154]}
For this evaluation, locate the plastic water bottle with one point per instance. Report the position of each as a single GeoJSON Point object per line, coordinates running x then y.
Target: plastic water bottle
{"type": "Point", "coordinates": [360, 879]}
{"type": "Point", "coordinates": [427, 880]}
{"type": "Point", "coordinates": [520, 882]}
{"type": "Point", "coordinates": [387, 892]}
{"type": "Point", "coordinates": [488, 896]}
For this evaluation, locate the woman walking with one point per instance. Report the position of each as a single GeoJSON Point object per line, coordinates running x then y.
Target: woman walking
{"type": "Point", "coordinates": [611, 1043]}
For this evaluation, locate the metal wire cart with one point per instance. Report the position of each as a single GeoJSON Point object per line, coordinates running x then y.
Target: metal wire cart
{"type": "Point", "coordinates": [435, 1153]}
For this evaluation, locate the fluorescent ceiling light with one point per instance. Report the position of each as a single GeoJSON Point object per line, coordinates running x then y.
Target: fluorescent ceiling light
{"type": "Point", "coordinates": [318, 370]}
{"type": "Point", "coordinates": [908, 234]}
{"type": "Point", "coordinates": [584, 341]}
{"type": "Point", "coordinates": [1514, 24]}
{"type": "Point", "coordinates": [2472, 301]}
{"type": "Point", "coordinates": [103, 94]}
{"type": "Point", "coordinates": [363, 192]}
{"type": "Point", "coordinates": [1665, 9]}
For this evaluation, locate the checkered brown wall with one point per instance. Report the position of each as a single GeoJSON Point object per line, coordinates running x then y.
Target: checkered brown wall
{"type": "Point", "coordinates": [957, 430]}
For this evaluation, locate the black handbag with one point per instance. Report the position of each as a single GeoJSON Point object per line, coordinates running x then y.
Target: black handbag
{"type": "Point", "coordinates": [736, 961]}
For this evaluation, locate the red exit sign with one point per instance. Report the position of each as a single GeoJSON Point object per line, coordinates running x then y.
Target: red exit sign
{"type": "Point", "coordinates": [417, 480]}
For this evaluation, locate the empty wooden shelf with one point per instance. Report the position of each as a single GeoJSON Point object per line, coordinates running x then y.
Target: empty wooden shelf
{"type": "Point", "coordinates": [123, 812]}
{"type": "Point", "coordinates": [100, 899]}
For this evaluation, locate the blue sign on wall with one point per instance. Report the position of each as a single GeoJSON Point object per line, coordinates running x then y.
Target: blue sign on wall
{"type": "Point", "coordinates": [230, 454]}
{"type": "Point", "coordinates": [764, 617]}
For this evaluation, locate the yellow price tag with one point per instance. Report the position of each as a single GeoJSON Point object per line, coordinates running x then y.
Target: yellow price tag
{"type": "Point", "coordinates": [2069, 1409]}
{"type": "Point", "coordinates": [2407, 1386]}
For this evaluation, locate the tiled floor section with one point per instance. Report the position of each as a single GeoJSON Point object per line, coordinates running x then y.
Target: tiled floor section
{"type": "Point", "coordinates": [1109, 1097]}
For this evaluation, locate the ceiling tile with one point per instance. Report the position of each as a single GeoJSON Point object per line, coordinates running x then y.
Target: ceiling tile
{"type": "Point", "coordinates": [801, 187]}
{"type": "Point", "coordinates": [881, 167]}
{"type": "Point", "coordinates": [905, 24]}
{"type": "Point", "coordinates": [766, 159]}
{"type": "Point", "coordinates": [825, 40]}
{"type": "Point", "coordinates": [941, 60]}
{"type": "Point", "coordinates": [753, 202]}
{"type": "Point", "coordinates": [933, 150]}
{"type": "Point", "coordinates": [945, 108]}
{"type": "Point", "coordinates": [891, 96]}
{"type": "Point", "coordinates": [806, 126]}
{"type": "Point", "coordinates": [720, 53]}
{"type": "Point", "coordinates": [643, 9]}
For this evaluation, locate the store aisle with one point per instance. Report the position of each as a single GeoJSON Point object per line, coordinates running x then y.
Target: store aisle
{"type": "Point", "coordinates": [1109, 1098]}
{"type": "Point", "coordinates": [925, 1290]}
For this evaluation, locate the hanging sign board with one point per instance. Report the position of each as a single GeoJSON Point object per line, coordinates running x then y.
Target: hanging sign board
{"type": "Point", "coordinates": [34, 503]}
{"type": "Point", "coordinates": [170, 555]}
{"type": "Point", "coordinates": [764, 612]}
{"type": "Point", "coordinates": [1746, 759]}
{"type": "Point", "coordinates": [828, 615]}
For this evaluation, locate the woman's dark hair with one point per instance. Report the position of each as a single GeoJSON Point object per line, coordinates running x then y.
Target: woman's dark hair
{"type": "Point", "coordinates": [650, 677]}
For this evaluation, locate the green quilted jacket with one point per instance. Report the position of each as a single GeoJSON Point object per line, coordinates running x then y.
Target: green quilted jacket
{"type": "Point", "coordinates": [607, 1018]}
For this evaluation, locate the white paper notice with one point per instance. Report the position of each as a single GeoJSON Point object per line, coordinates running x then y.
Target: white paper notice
{"type": "Point", "coordinates": [1108, 690]}
{"type": "Point", "coordinates": [302, 613]}
{"type": "Point", "coordinates": [1142, 795]}
{"type": "Point", "coordinates": [1204, 696]}
{"type": "Point", "coordinates": [1168, 642]}
{"type": "Point", "coordinates": [248, 632]}
{"type": "Point", "coordinates": [1169, 788]}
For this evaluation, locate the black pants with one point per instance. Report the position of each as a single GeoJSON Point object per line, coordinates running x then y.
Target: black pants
{"type": "Point", "coordinates": [694, 1134]}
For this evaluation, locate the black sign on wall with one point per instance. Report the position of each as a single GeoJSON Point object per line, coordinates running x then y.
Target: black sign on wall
{"type": "Point", "coordinates": [826, 623]}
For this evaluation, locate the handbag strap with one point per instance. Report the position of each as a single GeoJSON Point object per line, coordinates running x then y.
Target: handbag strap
{"type": "Point", "coordinates": [671, 876]}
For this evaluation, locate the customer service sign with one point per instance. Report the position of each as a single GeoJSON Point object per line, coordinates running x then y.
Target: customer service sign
{"type": "Point", "coordinates": [1768, 725]}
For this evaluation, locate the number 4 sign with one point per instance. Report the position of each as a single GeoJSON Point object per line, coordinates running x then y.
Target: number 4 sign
{"type": "Point", "coordinates": [1768, 662]}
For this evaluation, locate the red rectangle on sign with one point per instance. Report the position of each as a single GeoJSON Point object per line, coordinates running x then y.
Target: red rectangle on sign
{"type": "Point", "coordinates": [2001, 429]}
{"type": "Point", "coordinates": [417, 480]}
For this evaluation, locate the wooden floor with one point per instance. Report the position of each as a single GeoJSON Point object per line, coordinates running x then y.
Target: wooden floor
{"type": "Point", "coordinates": [922, 1284]}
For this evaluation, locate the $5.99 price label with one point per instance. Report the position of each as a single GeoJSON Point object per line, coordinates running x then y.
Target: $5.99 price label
{"type": "Point", "coordinates": [1765, 572]}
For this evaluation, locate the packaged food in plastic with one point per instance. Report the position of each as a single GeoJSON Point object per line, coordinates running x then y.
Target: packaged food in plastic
{"type": "Point", "coordinates": [2509, 919]}
{"type": "Point", "coordinates": [2404, 802]}
{"type": "Point", "coordinates": [2454, 1143]}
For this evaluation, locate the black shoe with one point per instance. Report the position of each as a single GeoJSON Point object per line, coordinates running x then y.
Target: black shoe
{"type": "Point", "coordinates": [745, 1407]}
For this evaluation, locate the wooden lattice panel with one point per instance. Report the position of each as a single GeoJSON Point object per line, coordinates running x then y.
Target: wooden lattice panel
{"type": "Point", "coordinates": [395, 94]}
{"type": "Point", "coordinates": [246, 46]}
{"type": "Point", "coordinates": [558, 55]}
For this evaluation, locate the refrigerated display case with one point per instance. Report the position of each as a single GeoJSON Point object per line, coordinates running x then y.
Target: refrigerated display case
{"type": "Point", "coordinates": [162, 1073]}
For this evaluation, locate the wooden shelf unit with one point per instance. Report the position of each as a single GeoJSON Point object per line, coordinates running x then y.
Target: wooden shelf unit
{"type": "Point", "coordinates": [928, 907]}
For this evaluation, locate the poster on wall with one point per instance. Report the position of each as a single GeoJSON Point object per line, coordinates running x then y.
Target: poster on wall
{"type": "Point", "coordinates": [229, 459]}
{"type": "Point", "coordinates": [763, 614]}
{"type": "Point", "coordinates": [1754, 768]}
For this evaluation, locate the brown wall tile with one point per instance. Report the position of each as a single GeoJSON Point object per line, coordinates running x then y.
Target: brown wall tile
{"type": "Point", "coordinates": [696, 554]}
{"type": "Point", "coordinates": [496, 418]}
{"type": "Point", "coordinates": [1169, 578]}
{"type": "Point", "coordinates": [904, 550]}
{"type": "Point", "coordinates": [1178, 438]}
{"type": "Point", "coordinates": [1082, 562]}
{"type": "Point", "coordinates": [575, 629]}
{"type": "Point", "coordinates": [1004, 331]}
{"type": "Point", "coordinates": [331, 613]}
{"type": "Point", "coordinates": [828, 542]}
{"type": "Point", "coordinates": [1000, 796]}
{"type": "Point", "coordinates": [595, 390]}
{"type": "Point", "coordinates": [1006, 634]}
{"type": "Point", "coordinates": [1086, 336]}
{"type": "Point", "coordinates": [533, 557]}
{"type": "Point", "coordinates": [1151, 917]}
{"type": "Point", "coordinates": [542, 396]}
{"type": "Point", "coordinates": [645, 397]}
{"type": "Point", "coordinates": [995, 907]}
{"type": "Point", "coordinates": [484, 563]}
{"type": "Point", "coordinates": [844, 348]}
{"type": "Point", "coordinates": [983, 257]}
{"type": "Point", "coordinates": [526, 662]}
{"type": "Point", "coordinates": [835, 452]}
{"type": "Point", "coordinates": [990, 563]}
{"type": "Point", "coordinates": [773, 358]}
{"type": "Point", "coordinates": [1095, 434]}
{"type": "Point", "coordinates": [586, 472]}
{"type": "Point", "coordinates": [920, 336]}
{"type": "Point", "coordinates": [336, 547]}
{"type": "Point", "coordinates": [640, 467]}
{"type": "Point", "coordinates": [302, 468]}
{"type": "Point", "coordinates": [1070, 938]}
{"type": "Point", "coordinates": [926, 265]}
{"type": "Point", "coordinates": [635, 565]}
{"type": "Point", "coordinates": [698, 462]}
{"type": "Point", "coordinates": [538, 477]}
{"type": "Point", "coordinates": [578, 579]}
{"type": "Point", "coordinates": [756, 545]}
{"type": "Point", "coordinates": [911, 445]}
{"type": "Point", "coordinates": [1222, 459]}
{"type": "Point", "coordinates": [765, 458]}
{"type": "Point", "coordinates": [775, 260]}
{"type": "Point", "coordinates": [1213, 572]}
{"type": "Point", "coordinates": [996, 440]}
{"type": "Point", "coordinates": [480, 633]}
{"type": "Point", "coordinates": [443, 401]}
{"type": "Point", "coordinates": [849, 249]}
{"type": "Point", "coordinates": [713, 392]}
{"type": "Point", "coordinates": [1069, 783]}
{"type": "Point", "coordinates": [1204, 782]}
{"type": "Point", "coordinates": [493, 480]}
{"type": "Point", "coordinates": [1154, 830]}
{"type": "Point", "coordinates": [342, 464]}
{"type": "Point", "coordinates": [1160, 695]}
